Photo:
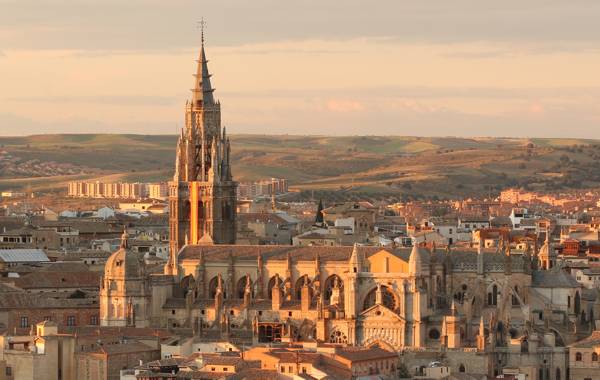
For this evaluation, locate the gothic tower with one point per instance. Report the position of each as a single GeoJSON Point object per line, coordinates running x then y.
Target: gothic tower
{"type": "Point", "coordinates": [202, 195]}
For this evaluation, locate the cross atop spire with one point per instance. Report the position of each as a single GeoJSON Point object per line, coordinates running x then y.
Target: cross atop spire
{"type": "Point", "coordinates": [202, 25]}
{"type": "Point", "coordinates": [203, 91]}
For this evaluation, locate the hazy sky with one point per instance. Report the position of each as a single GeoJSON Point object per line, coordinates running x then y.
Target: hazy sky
{"type": "Point", "coordinates": [422, 67]}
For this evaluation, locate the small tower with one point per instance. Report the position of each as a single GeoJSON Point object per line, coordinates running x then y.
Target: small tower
{"type": "Point", "coordinates": [355, 264]}
{"type": "Point", "coordinates": [260, 278]}
{"type": "Point", "coordinates": [276, 294]}
{"type": "Point", "coordinates": [305, 298]}
{"type": "Point", "coordinates": [354, 269]}
{"type": "Point", "coordinates": [453, 327]}
{"type": "Point", "coordinates": [547, 256]}
{"type": "Point", "coordinates": [319, 215]}
{"type": "Point", "coordinates": [507, 260]}
{"type": "Point", "coordinates": [202, 194]}
{"type": "Point", "coordinates": [480, 261]}
{"type": "Point", "coordinates": [248, 292]}
{"type": "Point", "coordinates": [481, 336]}
{"type": "Point", "coordinates": [124, 294]}
{"type": "Point", "coordinates": [218, 296]}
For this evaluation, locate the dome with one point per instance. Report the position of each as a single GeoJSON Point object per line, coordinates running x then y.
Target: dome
{"type": "Point", "coordinates": [124, 263]}
{"type": "Point", "coordinates": [417, 261]}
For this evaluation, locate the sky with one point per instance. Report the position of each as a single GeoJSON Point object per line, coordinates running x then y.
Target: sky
{"type": "Point", "coordinates": [344, 67]}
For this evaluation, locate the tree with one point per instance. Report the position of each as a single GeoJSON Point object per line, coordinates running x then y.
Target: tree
{"type": "Point", "coordinates": [319, 216]}
{"type": "Point", "coordinates": [403, 371]}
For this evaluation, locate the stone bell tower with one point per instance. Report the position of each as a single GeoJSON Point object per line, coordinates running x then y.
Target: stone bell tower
{"type": "Point", "coordinates": [202, 194]}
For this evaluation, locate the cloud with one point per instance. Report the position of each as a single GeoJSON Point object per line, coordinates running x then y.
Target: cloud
{"type": "Point", "coordinates": [150, 24]}
{"type": "Point", "coordinates": [343, 105]}
{"type": "Point", "coordinates": [129, 100]}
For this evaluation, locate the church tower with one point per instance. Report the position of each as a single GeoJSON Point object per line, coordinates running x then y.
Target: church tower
{"type": "Point", "coordinates": [202, 194]}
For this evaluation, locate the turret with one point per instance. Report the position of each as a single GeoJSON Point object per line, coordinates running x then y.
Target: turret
{"type": "Point", "coordinates": [219, 296]}
{"type": "Point", "coordinates": [453, 327]}
{"type": "Point", "coordinates": [355, 264]}
{"type": "Point", "coordinates": [247, 291]}
{"type": "Point", "coordinates": [416, 262]}
{"type": "Point", "coordinates": [481, 336]}
{"type": "Point", "coordinates": [305, 298]}
{"type": "Point", "coordinates": [276, 294]}
{"type": "Point", "coordinates": [507, 261]}
{"type": "Point", "coordinates": [480, 262]}
{"type": "Point", "coordinates": [260, 279]}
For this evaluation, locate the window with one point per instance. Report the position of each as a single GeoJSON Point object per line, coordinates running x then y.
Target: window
{"type": "Point", "coordinates": [434, 334]}
{"type": "Point", "coordinates": [94, 320]}
{"type": "Point", "coordinates": [594, 357]}
{"type": "Point", "coordinates": [8, 371]}
{"type": "Point", "coordinates": [24, 322]}
{"type": "Point", "coordinates": [47, 318]}
{"type": "Point", "coordinates": [71, 320]}
{"type": "Point", "coordinates": [578, 357]}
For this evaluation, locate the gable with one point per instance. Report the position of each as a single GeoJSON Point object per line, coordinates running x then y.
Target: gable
{"type": "Point", "coordinates": [380, 312]}
{"type": "Point", "coordinates": [385, 262]}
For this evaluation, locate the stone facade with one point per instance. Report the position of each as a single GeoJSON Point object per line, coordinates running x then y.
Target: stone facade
{"type": "Point", "coordinates": [479, 310]}
{"type": "Point", "coordinates": [202, 194]}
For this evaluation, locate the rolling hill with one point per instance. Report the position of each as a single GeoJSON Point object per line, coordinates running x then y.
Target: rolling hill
{"type": "Point", "coordinates": [333, 167]}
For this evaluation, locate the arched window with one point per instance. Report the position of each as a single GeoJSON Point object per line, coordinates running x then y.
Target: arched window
{"type": "Point", "coordinates": [515, 299]}
{"type": "Point", "coordinates": [212, 287]}
{"type": "Point", "coordinates": [578, 357]}
{"type": "Point", "coordinates": [557, 377]}
{"type": "Point", "coordinates": [270, 287]}
{"type": "Point", "coordinates": [462, 368]}
{"type": "Point", "coordinates": [388, 299]}
{"type": "Point", "coordinates": [434, 334]}
{"type": "Point", "coordinates": [338, 337]}
{"type": "Point", "coordinates": [328, 287]}
{"type": "Point", "coordinates": [594, 357]}
{"type": "Point", "coordinates": [186, 211]}
{"type": "Point", "coordinates": [493, 296]}
{"type": "Point", "coordinates": [299, 285]}
{"type": "Point", "coordinates": [200, 210]}
{"type": "Point", "coordinates": [241, 288]}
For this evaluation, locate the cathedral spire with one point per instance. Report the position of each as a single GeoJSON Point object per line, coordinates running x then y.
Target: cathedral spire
{"type": "Point", "coordinates": [203, 91]}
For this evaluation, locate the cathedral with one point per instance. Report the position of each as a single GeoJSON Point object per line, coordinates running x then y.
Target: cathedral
{"type": "Point", "coordinates": [479, 310]}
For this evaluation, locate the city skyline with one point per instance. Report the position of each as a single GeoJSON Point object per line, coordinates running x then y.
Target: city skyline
{"type": "Point", "coordinates": [466, 69]}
